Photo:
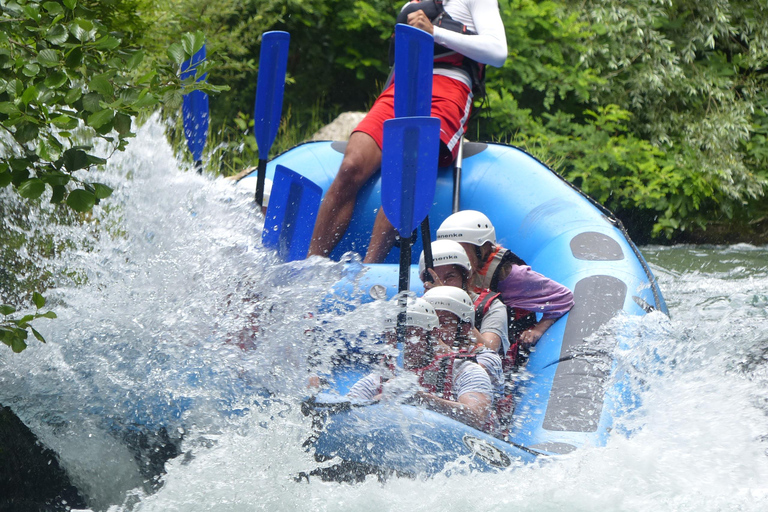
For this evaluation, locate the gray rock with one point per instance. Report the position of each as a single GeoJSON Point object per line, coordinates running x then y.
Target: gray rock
{"type": "Point", "coordinates": [340, 128]}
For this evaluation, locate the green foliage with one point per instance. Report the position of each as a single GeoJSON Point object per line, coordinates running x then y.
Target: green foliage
{"type": "Point", "coordinates": [15, 330]}
{"type": "Point", "coordinates": [337, 58]}
{"type": "Point", "coordinates": [686, 80]}
{"type": "Point", "coordinates": [66, 80]}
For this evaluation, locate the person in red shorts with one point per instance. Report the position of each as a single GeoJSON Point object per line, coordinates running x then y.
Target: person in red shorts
{"type": "Point", "coordinates": [472, 34]}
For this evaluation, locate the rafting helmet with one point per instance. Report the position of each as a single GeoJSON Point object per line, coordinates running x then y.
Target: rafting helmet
{"type": "Point", "coordinates": [455, 300]}
{"type": "Point", "coordinates": [468, 226]}
{"type": "Point", "coordinates": [419, 313]}
{"type": "Point", "coordinates": [446, 252]}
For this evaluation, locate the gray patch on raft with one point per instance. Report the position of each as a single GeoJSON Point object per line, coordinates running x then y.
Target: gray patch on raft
{"type": "Point", "coordinates": [578, 388]}
{"type": "Point", "coordinates": [558, 448]}
{"type": "Point", "coordinates": [592, 246]}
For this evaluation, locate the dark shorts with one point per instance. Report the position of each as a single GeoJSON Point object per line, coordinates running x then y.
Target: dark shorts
{"type": "Point", "coordinates": [451, 103]}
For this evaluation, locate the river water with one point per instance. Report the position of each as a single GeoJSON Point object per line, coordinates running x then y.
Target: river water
{"type": "Point", "coordinates": [174, 323]}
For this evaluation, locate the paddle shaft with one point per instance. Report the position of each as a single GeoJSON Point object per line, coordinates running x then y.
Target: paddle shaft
{"type": "Point", "coordinates": [426, 239]}
{"type": "Point", "coordinates": [404, 281]}
{"type": "Point", "coordinates": [262, 173]}
{"type": "Point", "coordinates": [457, 176]}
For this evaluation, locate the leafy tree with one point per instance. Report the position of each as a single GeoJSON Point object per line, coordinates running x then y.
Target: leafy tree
{"type": "Point", "coordinates": [66, 81]}
{"type": "Point", "coordinates": [677, 87]}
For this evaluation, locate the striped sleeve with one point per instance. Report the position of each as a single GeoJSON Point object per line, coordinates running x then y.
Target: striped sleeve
{"type": "Point", "coordinates": [472, 379]}
{"type": "Point", "coordinates": [366, 388]}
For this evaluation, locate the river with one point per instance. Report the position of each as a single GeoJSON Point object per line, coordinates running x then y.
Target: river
{"type": "Point", "coordinates": [173, 321]}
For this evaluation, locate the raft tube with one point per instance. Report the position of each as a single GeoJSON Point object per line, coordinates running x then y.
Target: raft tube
{"type": "Point", "coordinates": [572, 388]}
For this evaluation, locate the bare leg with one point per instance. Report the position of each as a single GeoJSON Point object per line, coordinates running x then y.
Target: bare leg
{"type": "Point", "coordinates": [382, 239]}
{"type": "Point", "coordinates": [361, 159]}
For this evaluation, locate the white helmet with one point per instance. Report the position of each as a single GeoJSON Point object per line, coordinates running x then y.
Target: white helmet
{"type": "Point", "coordinates": [446, 252]}
{"type": "Point", "coordinates": [419, 313]}
{"type": "Point", "coordinates": [455, 300]}
{"type": "Point", "coordinates": [468, 226]}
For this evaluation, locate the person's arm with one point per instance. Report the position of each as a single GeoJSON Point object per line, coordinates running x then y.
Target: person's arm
{"type": "Point", "coordinates": [367, 388]}
{"type": "Point", "coordinates": [489, 45]}
{"type": "Point", "coordinates": [526, 289]}
{"type": "Point", "coordinates": [489, 340]}
{"type": "Point", "coordinates": [494, 327]}
{"type": "Point", "coordinates": [471, 408]}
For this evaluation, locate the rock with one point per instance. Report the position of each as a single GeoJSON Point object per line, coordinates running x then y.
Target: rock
{"type": "Point", "coordinates": [340, 128]}
{"type": "Point", "coordinates": [31, 478]}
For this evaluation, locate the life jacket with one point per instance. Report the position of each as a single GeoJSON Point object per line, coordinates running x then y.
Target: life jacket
{"type": "Point", "coordinates": [444, 57]}
{"type": "Point", "coordinates": [518, 320]}
{"type": "Point", "coordinates": [487, 277]}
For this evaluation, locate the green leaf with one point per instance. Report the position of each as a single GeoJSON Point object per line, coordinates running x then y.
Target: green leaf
{"type": "Point", "coordinates": [102, 85]}
{"type": "Point", "coordinates": [30, 95]}
{"type": "Point", "coordinates": [74, 58]}
{"type": "Point", "coordinates": [123, 124]}
{"type": "Point", "coordinates": [55, 80]}
{"type": "Point", "coordinates": [53, 7]}
{"type": "Point", "coordinates": [48, 58]}
{"type": "Point", "coordinates": [8, 107]}
{"type": "Point", "coordinates": [18, 345]}
{"type": "Point", "coordinates": [37, 334]}
{"type": "Point", "coordinates": [70, 4]}
{"type": "Point", "coordinates": [82, 29]}
{"type": "Point", "coordinates": [102, 191]}
{"type": "Point", "coordinates": [107, 42]}
{"type": "Point", "coordinates": [192, 43]}
{"type": "Point", "coordinates": [59, 191]}
{"type": "Point", "coordinates": [49, 314]}
{"type": "Point", "coordinates": [38, 299]}
{"type": "Point", "coordinates": [146, 100]}
{"type": "Point", "coordinates": [135, 59]}
{"type": "Point", "coordinates": [81, 200]}
{"type": "Point", "coordinates": [73, 95]}
{"type": "Point", "coordinates": [57, 34]}
{"type": "Point", "coordinates": [7, 309]}
{"type": "Point", "coordinates": [176, 53]}
{"type": "Point", "coordinates": [100, 118]}
{"type": "Point", "coordinates": [92, 102]}
{"type": "Point", "coordinates": [26, 132]}
{"type": "Point", "coordinates": [5, 179]}
{"type": "Point", "coordinates": [30, 69]}
{"type": "Point", "coordinates": [54, 178]}
{"type": "Point", "coordinates": [64, 121]}
{"type": "Point", "coordinates": [75, 159]}
{"type": "Point", "coordinates": [32, 189]}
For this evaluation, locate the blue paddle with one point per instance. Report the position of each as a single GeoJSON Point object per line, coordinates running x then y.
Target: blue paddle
{"type": "Point", "coordinates": [408, 178]}
{"type": "Point", "coordinates": [290, 218]}
{"type": "Point", "coordinates": [414, 54]}
{"type": "Point", "coordinates": [194, 110]}
{"type": "Point", "coordinates": [273, 60]}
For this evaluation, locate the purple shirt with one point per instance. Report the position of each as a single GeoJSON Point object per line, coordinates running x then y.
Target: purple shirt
{"type": "Point", "coordinates": [525, 288]}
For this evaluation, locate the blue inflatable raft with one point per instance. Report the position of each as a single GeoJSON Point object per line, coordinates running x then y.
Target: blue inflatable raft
{"type": "Point", "coordinates": [572, 388]}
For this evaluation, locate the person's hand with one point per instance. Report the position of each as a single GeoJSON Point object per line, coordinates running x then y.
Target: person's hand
{"type": "Point", "coordinates": [419, 20]}
{"type": "Point", "coordinates": [428, 285]}
{"type": "Point", "coordinates": [530, 337]}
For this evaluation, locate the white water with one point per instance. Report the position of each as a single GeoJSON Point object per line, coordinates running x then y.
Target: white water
{"type": "Point", "coordinates": [183, 279]}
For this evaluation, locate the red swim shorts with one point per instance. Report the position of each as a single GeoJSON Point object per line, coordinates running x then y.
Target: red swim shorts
{"type": "Point", "coordinates": [451, 103]}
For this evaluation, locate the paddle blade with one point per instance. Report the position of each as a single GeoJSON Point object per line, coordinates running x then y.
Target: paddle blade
{"type": "Point", "coordinates": [409, 170]}
{"type": "Point", "coordinates": [194, 108]}
{"type": "Point", "coordinates": [273, 61]}
{"type": "Point", "coordinates": [414, 53]}
{"type": "Point", "coordinates": [290, 218]}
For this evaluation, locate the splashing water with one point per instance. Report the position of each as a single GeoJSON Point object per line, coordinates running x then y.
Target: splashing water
{"type": "Point", "coordinates": [178, 332]}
